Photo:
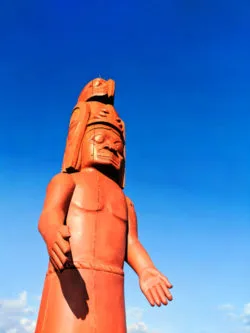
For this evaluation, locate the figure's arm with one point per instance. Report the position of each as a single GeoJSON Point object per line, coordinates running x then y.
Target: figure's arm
{"type": "Point", "coordinates": [51, 222]}
{"type": "Point", "coordinates": [153, 284]}
{"type": "Point", "coordinates": [137, 256]}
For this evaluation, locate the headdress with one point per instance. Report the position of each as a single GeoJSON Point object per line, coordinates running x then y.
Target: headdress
{"type": "Point", "coordinates": [94, 106]}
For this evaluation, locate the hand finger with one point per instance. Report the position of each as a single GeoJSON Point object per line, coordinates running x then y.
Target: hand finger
{"type": "Point", "coordinates": [161, 295]}
{"type": "Point", "coordinates": [59, 254]}
{"type": "Point", "coordinates": [155, 296]}
{"type": "Point", "coordinates": [54, 264]}
{"type": "Point", "coordinates": [149, 297]}
{"type": "Point", "coordinates": [64, 231]}
{"type": "Point", "coordinates": [167, 292]}
{"type": "Point", "coordinates": [63, 244]}
{"type": "Point", "coordinates": [165, 279]}
{"type": "Point", "coordinates": [57, 260]}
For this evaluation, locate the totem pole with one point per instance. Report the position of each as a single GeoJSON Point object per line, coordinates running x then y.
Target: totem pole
{"type": "Point", "coordinates": [90, 226]}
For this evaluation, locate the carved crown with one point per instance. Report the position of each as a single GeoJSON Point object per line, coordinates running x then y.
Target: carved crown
{"type": "Point", "coordinates": [105, 114]}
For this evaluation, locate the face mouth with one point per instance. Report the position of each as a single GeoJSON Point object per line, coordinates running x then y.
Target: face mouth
{"type": "Point", "coordinates": [105, 99]}
{"type": "Point", "coordinates": [111, 158]}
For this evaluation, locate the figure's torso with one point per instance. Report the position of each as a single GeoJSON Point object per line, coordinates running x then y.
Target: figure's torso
{"type": "Point", "coordinates": [97, 218]}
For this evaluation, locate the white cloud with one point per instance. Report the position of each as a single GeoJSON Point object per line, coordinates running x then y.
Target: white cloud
{"type": "Point", "coordinates": [226, 307]}
{"type": "Point", "coordinates": [12, 330]}
{"type": "Point", "coordinates": [16, 316]}
{"type": "Point", "coordinates": [39, 298]}
{"type": "Point", "coordinates": [139, 327]}
{"type": "Point", "coordinates": [134, 314]}
{"type": "Point", "coordinates": [232, 316]}
{"type": "Point", "coordinates": [246, 315]}
{"type": "Point", "coordinates": [243, 318]}
{"type": "Point", "coordinates": [229, 310]}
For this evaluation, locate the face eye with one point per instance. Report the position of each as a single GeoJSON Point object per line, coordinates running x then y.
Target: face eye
{"type": "Point", "coordinates": [96, 83]}
{"type": "Point", "coordinates": [99, 138]}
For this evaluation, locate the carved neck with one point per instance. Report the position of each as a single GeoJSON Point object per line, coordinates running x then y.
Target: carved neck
{"type": "Point", "coordinates": [107, 171]}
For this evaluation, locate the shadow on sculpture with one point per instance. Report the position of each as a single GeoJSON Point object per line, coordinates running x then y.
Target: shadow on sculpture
{"type": "Point", "coordinates": [75, 292]}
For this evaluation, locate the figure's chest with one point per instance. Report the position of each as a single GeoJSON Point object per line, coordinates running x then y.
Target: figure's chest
{"type": "Point", "coordinates": [95, 192]}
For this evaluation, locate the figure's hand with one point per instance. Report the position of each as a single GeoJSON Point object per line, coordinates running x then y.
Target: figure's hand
{"type": "Point", "coordinates": [58, 246]}
{"type": "Point", "coordinates": [155, 287]}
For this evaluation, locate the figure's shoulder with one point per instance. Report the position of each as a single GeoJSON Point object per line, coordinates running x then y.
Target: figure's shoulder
{"type": "Point", "coordinates": [129, 202]}
{"type": "Point", "coordinates": [62, 179]}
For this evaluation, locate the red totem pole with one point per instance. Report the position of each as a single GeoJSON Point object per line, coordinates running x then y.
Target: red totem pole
{"type": "Point", "coordinates": [90, 226]}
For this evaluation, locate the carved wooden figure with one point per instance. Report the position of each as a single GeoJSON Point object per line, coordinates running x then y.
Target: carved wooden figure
{"type": "Point", "coordinates": [90, 226]}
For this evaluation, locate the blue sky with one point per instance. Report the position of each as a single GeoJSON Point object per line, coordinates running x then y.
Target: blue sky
{"type": "Point", "coordinates": [182, 78]}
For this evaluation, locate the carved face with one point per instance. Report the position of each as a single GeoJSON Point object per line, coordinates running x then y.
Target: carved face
{"type": "Point", "coordinates": [102, 145]}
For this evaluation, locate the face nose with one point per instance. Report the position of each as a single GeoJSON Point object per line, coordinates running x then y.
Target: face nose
{"type": "Point", "coordinates": [110, 146]}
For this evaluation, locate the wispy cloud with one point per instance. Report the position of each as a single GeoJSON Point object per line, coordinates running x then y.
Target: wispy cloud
{"type": "Point", "coordinates": [242, 317]}
{"type": "Point", "coordinates": [39, 298]}
{"type": "Point", "coordinates": [139, 327]}
{"type": "Point", "coordinates": [16, 316]}
{"type": "Point", "coordinates": [134, 314]}
{"type": "Point", "coordinates": [226, 307]}
{"type": "Point", "coordinates": [246, 315]}
{"type": "Point", "coordinates": [135, 317]}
